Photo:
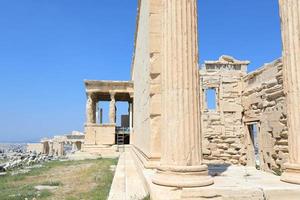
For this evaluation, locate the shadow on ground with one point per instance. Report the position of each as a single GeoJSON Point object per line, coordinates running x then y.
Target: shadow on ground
{"type": "Point", "coordinates": [217, 170]}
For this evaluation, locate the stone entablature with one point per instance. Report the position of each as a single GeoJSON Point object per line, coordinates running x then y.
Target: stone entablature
{"type": "Point", "coordinates": [102, 89]}
{"type": "Point", "coordinates": [226, 63]}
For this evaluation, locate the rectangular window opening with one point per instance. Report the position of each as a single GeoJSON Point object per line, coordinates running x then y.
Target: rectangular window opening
{"type": "Point", "coordinates": [211, 98]}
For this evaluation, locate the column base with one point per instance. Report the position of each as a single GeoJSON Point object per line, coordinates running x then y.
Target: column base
{"type": "Point", "coordinates": [182, 176]}
{"type": "Point", "coordinates": [291, 173]}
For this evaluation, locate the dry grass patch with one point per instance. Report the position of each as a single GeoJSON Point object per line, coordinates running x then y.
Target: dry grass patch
{"type": "Point", "coordinates": [90, 179]}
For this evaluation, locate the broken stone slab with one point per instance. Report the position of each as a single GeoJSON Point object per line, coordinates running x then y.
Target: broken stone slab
{"type": "Point", "coordinates": [3, 173]}
{"type": "Point", "coordinates": [34, 166]}
{"type": "Point", "coordinates": [232, 152]}
{"type": "Point", "coordinates": [223, 146]}
{"type": "Point", "coordinates": [45, 187]}
{"type": "Point", "coordinates": [22, 171]}
{"type": "Point", "coordinates": [282, 142]}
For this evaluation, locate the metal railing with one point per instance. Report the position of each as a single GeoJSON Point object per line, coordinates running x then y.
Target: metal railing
{"type": "Point", "coordinates": [121, 132]}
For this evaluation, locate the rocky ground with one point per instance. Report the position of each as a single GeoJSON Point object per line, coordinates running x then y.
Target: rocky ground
{"type": "Point", "coordinates": [12, 147]}
{"type": "Point", "coordinates": [14, 157]}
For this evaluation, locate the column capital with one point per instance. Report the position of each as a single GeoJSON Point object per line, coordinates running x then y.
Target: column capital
{"type": "Point", "coordinates": [90, 95]}
{"type": "Point", "coordinates": [131, 95]}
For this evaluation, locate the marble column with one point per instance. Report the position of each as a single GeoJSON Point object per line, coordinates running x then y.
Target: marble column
{"type": "Point", "coordinates": [62, 149]}
{"type": "Point", "coordinates": [181, 156]}
{"type": "Point", "coordinates": [112, 109]}
{"type": "Point", "coordinates": [90, 110]}
{"type": "Point", "coordinates": [97, 113]}
{"type": "Point", "coordinates": [45, 148]}
{"type": "Point", "coordinates": [74, 147]}
{"type": "Point", "coordinates": [51, 149]}
{"type": "Point", "coordinates": [130, 116]}
{"type": "Point", "coordinates": [290, 28]}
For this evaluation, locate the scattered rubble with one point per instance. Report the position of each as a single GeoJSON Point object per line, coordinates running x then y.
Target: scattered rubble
{"type": "Point", "coordinates": [14, 156]}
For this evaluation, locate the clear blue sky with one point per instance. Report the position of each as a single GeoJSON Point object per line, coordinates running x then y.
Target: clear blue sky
{"type": "Point", "coordinates": [48, 47]}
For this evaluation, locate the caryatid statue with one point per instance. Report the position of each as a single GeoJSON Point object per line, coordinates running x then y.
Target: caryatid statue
{"type": "Point", "coordinates": [90, 110]}
{"type": "Point", "coordinates": [112, 108]}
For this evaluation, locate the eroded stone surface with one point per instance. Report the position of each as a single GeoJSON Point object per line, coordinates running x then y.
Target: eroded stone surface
{"type": "Point", "coordinates": [264, 101]}
{"type": "Point", "coordinates": [222, 127]}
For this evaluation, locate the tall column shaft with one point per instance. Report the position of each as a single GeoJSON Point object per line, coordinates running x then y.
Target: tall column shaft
{"type": "Point", "coordinates": [90, 110]}
{"type": "Point", "coordinates": [181, 135]}
{"type": "Point", "coordinates": [112, 109]}
{"type": "Point", "coordinates": [51, 149]}
{"type": "Point", "coordinates": [290, 28]}
{"type": "Point", "coordinates": [130, 116]}
{"type": "Point", "coordinates": [62, 148]}
{"type": "Point", "coordinates": [74, 148]}
{"type": "Point", "coordinates": [97, 113]}
{"type": "Point", "coordinates": [45, 149]}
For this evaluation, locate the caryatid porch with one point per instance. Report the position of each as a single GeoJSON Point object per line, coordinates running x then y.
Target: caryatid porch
{"type": "Point", "coordinates": [99, 134]}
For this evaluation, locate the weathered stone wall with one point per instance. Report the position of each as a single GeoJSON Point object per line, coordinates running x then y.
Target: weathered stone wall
{"type": "Point", "coordinates": [35, 147]}
{"type": "Point", "coordinates": [102, 134]}
{"type": "Point", "coordinates": [222, 128]}
{"type": "Point", "coordinates": [141, 76]}
{"type": "Point", "coordinates": [264, 102]}
{"type": "Point", "coordinates": [146, 75]}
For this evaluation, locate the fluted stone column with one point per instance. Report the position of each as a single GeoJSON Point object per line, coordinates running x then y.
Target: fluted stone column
{"type": "Point", "coordinates": [90, 110]}
{"type": "Point", "coordinates": [61, 151]}
{"type": "Point", "coordinates": [112, 109]}
{"type": "Point", "coordinates": [130, 116]}
{"type": "Point", "coordinates": [181, 164]}
{"type": "Point", "coordinates": [290, 25]}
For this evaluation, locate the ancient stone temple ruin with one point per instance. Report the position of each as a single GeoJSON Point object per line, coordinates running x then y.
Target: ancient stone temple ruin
{"type": "Point", "coordinates": [185, 117]}
{"type": "Point", "coordinates": [103, 137]}
{"type": "Point", "coordinates": [248, 125]}
{"type": "Point", "coordinates": [58, 144]}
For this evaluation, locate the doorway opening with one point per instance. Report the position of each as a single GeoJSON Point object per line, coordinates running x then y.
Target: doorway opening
{"type": "Point", "coordinates": [123, 124]}
{"type": "Point", "coordinates": [254, 150]}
